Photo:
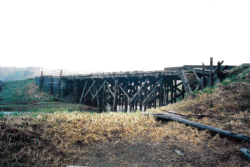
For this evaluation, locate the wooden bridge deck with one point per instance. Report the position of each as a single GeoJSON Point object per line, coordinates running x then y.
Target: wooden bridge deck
{"type": "Point", "coordinates": [127, 74]}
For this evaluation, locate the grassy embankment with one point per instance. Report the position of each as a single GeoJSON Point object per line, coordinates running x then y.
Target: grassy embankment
{"type": "Point", "coordinates": [121, 139]}
{"type": "Point", "coordinates": [25, 96]}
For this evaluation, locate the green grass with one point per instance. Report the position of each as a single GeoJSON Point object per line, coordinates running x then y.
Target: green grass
{"type": "Point", "coordinates": [238, 74]}
{"type": "Point", "coordinates": [208, 90]}
{"type": "Point", "coordinates": [23, 90]}
{"type": "Point", "coordinates": [25, 96]}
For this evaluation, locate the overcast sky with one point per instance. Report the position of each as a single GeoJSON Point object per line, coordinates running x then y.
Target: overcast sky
{"type": "Point", "coordinates": [115, 35]}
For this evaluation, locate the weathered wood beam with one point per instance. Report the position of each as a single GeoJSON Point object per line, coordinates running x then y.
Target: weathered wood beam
{"type": "Point", "coordinates": [122, 101]}
{"type": "Point", "coordinates": [197, 87]}
{"type": "Point", "coordinates": [196, 76]}
{"type": "Point", "coordinates": [125, 93]}
{"type": "Point", "coordinates": [94, 91]}
{"type": "Point", "coordinates": [126, 100]}
{"type": "Point", "coordinates": [83, 90]}
{"type": "Point", "coordinates": [92, 94]}
{"type": "Point", "coordinates": [145, 95]}
{"type": "Point", "coordinates": [97, 99]}
{"type": "Point", "coordinates": [161, 95]}
{"type": "Point", "coordinates": [153, 98]}
{"type": "Point", "coordinates": [130, 93]}
{"type": "Point", "coordinates": [211, 71]}
{"type": "Point", "coordinates": [152, 91]}
{"type": "Point", "coordinates": [179, 84]}
{"type": "Point", "coordinates": [245, 153]}
{"type": "Point", "coordinates": [141, 98]}
{"type": "Point", "coordinates": [183, 92]}
{"type": "Point", "coordinates": [203, 83]}
{"type": "Point", "coordinates": [167, 97]}
{"type": "Point", "coordinates": [41, 86]}
{"type": "Point", "coordinates": [136, 98]}
{"type": "Point", "coordinates": [98, 90]}
{"type": "Point", "coordinates": [216, 70]}
{"type": "Point", "coordinates": [112, 93]}
{"type": "Point", "coordinates": [175, 88]}
{"type": "Point", "coordinates": [178, 89]}
{"type": "Point", "coordinates": [115, 95]}
{"type": "Point", "coordinates": [183, 82]}
{"type": "Point", "coordinates": [164, 93]}
{"type": "Point", "coordinates": [223, 68]}
{"type": "Point", "coordinates": [202, 126]}
{"type": "Point", "coordinates": [89, 90]}
{"type": "Point", "coordinates": [186, 81]}
{"type": "Point", "coordinates": [154, 95]}
{"type": "Point", "coordinates": [179, 95]}
{"type": "Point", "coordinates": [219, 71]}
{"type": "Point", "coordinates": [172, 91]}
{"type": "Point", "coordinates": [119, 98]}
{"type": "Point", "coordinates": [142, 85]}
{"type": "Point", "coordinates": [103, 97]}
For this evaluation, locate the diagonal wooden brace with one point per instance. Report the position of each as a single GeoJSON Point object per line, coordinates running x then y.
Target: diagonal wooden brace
{"type": "Point", "coordinates": [216, 70]}
{"type": "Point", "coordinates": [115, 95]}
{"type": "Point", "coordinates": [98, 91]}
{"type": "Point", "coordinates": [89, 89]}
{"type": "Point", "coordinates": [83, 91]}
{"type": "Point", "coordinates": [185, 81]}
{"type": "Point", "coordinates": [152, 91]}
{"type": "Point", "coordinates": [124, 92]}
{"type": "Point", "coordinates": [91, 92]}
{"type": "Point", "coordinates": [110, 91]}
{"type": "Point", "coordinates": [196, 76]}
{"type": "Point", "coordinates": [138, 91]}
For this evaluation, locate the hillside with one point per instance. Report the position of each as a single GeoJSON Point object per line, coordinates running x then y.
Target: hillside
{"type": "Point", "coordinates": [17, 73]}
{"type": "Point", "coordinates": [133, 139]}
{"type": "Point", "coordinates": [24, 95]}
{"type": "Point", "coordinates": [23, 91]}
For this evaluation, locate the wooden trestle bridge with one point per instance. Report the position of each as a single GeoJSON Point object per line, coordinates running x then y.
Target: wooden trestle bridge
{"type": "Point", "coordinates": [123, 91]}
{"type": "Point", "coordinates": [137, 90]}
